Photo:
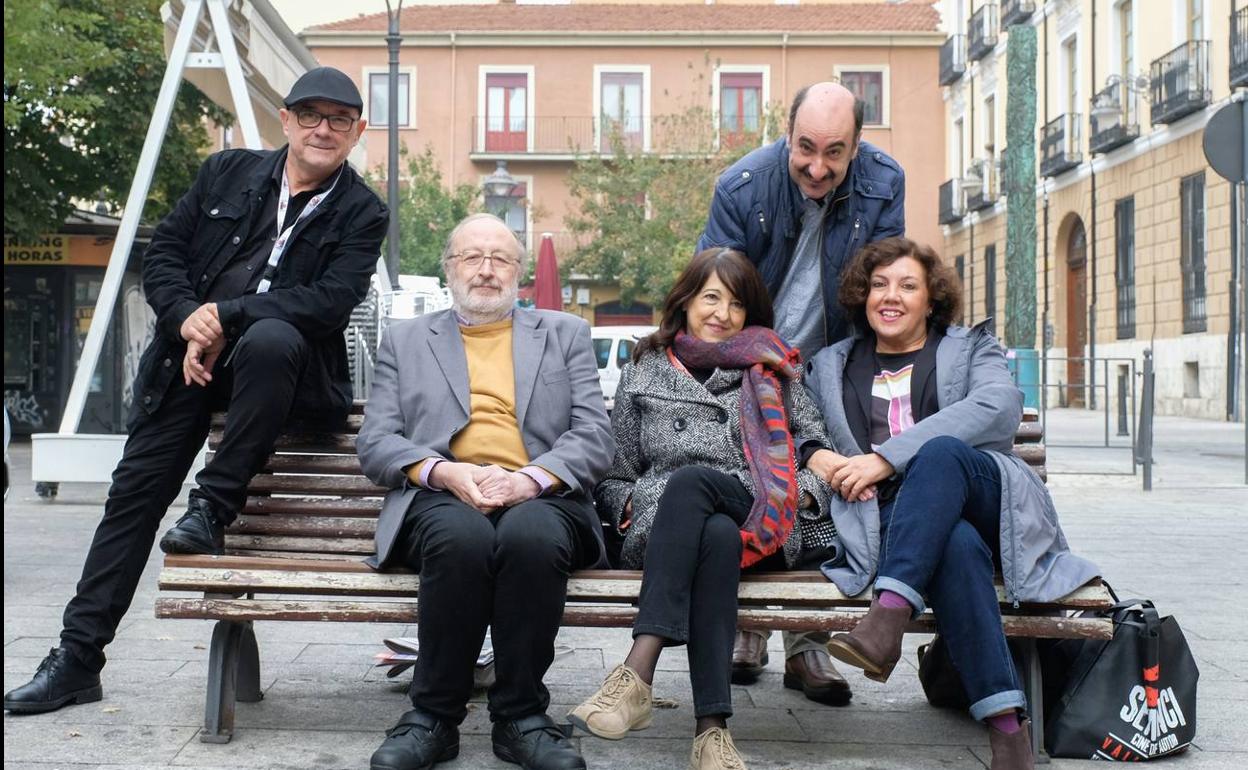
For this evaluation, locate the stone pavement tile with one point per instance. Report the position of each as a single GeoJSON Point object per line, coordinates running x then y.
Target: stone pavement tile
{"type": "Point", "coordinates": [286, 749]}
{"type": "Point", "coordinates": [649, 754]}
{"type": "Point", "coordinates": [32, 739]}
{"type": "Point", "coordinates": [935, 727]}
{"type": "Point", "coordinates": [170, 707]}
{"type": "Point", "coordinates": [151, 649]}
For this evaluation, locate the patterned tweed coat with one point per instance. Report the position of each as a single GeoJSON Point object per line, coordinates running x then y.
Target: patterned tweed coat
{"type": "Point", "coordinates": [665, 420]}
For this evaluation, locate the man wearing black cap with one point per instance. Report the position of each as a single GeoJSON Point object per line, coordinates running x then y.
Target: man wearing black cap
{"type": "Point", "coordinates": [253, 277]}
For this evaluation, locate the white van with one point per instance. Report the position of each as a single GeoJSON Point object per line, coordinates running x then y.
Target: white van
{"type": "Point", "coordinates": [613, 347]}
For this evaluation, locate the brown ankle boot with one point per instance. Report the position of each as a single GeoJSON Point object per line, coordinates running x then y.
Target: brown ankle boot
{"type": "Point", "coordinates": [1012, 751]}
{"type": "Point", "coordinates": [875, 643]}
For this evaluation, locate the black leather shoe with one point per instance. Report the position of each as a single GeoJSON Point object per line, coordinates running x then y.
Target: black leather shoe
{"type": "Point", "coordinates": [59, 681]}
{"type": "Point", "coordinates": [417, 742]}
{"type": "Point", "coordinates": [198, 531]}
{"type": "Point", "coordinates": [537, 743]}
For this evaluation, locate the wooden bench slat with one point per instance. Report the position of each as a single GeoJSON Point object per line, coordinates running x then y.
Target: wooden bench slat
{"type": "Point", "coordinates": [815, 592]}
{"type": "Point", "coordinates": [1029, 433]}
{"type": "Point", "coordinates": [302, 441]}
{"type": "Point", "coordinates": [356, 545]}
{"type": "Point", "coordinates": [304, 526]}
{"type": "Point", "coordinates": [324, 464]}
{"type": "Point", "coordinates": [609, 617]}
{"type": "Point", "coordinates": [354, 486]}
{"type": "Point", "coordinates": [352, 424]}
{"type": "Point", "coordinates": [314, 506]}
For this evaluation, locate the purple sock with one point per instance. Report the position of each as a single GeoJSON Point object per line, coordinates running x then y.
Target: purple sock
{"type": "Point", "coordinates": [892, 600]}
{"type": "Point", "coordinates": [1006, 723]}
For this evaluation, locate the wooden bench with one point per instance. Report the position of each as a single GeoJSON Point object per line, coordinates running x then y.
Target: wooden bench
{"type": "Point", "coordinates": [296, 551]}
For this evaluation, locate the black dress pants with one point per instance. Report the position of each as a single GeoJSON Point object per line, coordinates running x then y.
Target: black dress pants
{"type": "Point", "coordinates": [259, 386]}
{"type": "Point", "coordinates": [689, 582]}
{"type": "Point", "coordinates": [509, 571]}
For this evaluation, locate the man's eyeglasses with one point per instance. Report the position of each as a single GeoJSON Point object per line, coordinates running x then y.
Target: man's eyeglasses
{"type": "Point", "coordinates": [475, 259]}
{"type": "Point", "coordinates": [311, 119]}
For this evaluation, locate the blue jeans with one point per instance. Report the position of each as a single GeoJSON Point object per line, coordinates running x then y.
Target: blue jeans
{"type": "Point", "coordinates": [939, 538]}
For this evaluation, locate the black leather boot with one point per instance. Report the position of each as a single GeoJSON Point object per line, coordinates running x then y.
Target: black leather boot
{"type": "Point", "coordinates": [200, 530]}
{"type": "Point", "coordinates": [418, 742]}
{"type": "Point", "coordinates": [59, 681]}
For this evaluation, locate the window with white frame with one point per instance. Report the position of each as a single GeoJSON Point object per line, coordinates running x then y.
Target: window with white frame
{"type": "Point", "coordinates": [1126, 38]}
{"type": "Point", "coordinates": [1195, 19]}
{"type": "Point", "coordinates": [506, 111]}
{"type": "Point", "coordinates": [379, 99]}
{"type": "Point", "coordinates": [740, 102]}
{"type": "Point", "coordinates": [1070, 74]}
{"type": "Point", "coordinates": [621, 108]}
{"type": "Point", "coordinates": [870, 86]}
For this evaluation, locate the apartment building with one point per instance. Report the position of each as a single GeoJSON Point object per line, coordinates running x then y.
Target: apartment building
{"type": "Point", "coordinates": [1134, 230]}
{"type": "Point", "coordinates": [534, 85]}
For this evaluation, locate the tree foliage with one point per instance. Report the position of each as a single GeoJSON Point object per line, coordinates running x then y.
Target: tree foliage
{"type": "Point", "coordinates": [428, 211]}
{"type": "Point", "coordinates": [81, 78]}
{"type": "Point", "coordinates": [638, 214]}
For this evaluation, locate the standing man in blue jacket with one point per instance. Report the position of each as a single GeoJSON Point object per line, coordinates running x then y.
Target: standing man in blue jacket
{"type": "Point", "coordinates": [799, 208]}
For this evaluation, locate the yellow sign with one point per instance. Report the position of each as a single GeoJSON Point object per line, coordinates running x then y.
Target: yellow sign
{"type": "Point", "coordinates": [59, 249]}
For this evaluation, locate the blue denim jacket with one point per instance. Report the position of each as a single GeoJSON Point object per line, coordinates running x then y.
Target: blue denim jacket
{"type": "Point", "coordinates": [757, 210]}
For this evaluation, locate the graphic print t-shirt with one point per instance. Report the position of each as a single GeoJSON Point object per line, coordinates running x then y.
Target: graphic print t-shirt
{"type": "Point", "coordinates": [891, 410]}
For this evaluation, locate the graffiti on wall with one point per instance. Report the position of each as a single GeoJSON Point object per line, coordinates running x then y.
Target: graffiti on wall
{"type": "Point", "coordinates": [138, 328]}
{"type": "Point", "coordinates": [24, 408]}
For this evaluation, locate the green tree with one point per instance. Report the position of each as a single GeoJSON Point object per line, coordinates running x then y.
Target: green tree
{"type": "Point", "coordinates": [80, 82]}
{"type": "Point", "coordinates": [428, 211]}
{"type": "Point", "coordinates": [638, 214]}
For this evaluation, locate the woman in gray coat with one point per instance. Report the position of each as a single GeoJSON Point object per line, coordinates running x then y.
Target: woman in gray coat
{"type": "Point", "coordinates": [705, 482]}
{"type": "Point", "coordinates": [927, 497]}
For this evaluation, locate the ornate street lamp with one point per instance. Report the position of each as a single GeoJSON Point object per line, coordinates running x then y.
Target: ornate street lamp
{"type": "Point", "coordinates": [498, 188]}
{"type": "Point", "coordinates": [392, 173]}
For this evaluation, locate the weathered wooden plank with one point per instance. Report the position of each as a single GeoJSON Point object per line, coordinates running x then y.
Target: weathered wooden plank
{"type": "Point", "coordinates": [314, 506]}
{"type": "Point", "coordinates": [596, 616]}
{"type": "Point", "coordinates": [303, 526]}
{"type": "Point", "coordinates": [1032, 454]}
{"type": "Point", "coordinates": [303, 441]}
{"type": "Point", "coordinates": [1029, 433]}
{"type": "Point", "coordinates": [278, 560]}
{"type": "Point", "coordinates": [325, 464]}
{"type": "Point", "coordinates": [281, 579]}
{"type": "Point", "coordinates": [309, 544]}
{"type": "Point", "coordinates": [352, 425]}
{"type": "Point", "coordinates": [355, 486]}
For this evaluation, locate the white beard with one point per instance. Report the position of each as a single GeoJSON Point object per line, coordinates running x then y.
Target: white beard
{"type": "Point", "coordinates": [479, 309]}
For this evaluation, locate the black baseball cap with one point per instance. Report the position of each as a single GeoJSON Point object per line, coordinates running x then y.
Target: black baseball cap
{"type": "Point", "coordinates": [328, 84]}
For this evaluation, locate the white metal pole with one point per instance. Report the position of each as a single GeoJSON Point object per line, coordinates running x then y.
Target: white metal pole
{"type": "Point", "coordinates": [116, 269]}
{"type": "Point", "coordinates": [234, 73]}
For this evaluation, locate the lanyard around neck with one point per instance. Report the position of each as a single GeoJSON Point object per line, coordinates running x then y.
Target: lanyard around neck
{"type": "Point", "coordinates": [279, 246]}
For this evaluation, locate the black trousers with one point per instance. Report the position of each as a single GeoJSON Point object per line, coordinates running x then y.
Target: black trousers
{"type": "Point", "coordinates": [691, 571]}
{"type": "Point", "coordinates": [508, 571]}
{"type": "Point", "coordinates": [258, 385]}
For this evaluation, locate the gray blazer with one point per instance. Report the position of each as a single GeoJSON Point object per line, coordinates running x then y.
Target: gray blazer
{"type": "Point", "coordinates": [665, 420]}
{"type": "Point", "coordinates": [420, 400]}
{"type": "Point", "coordinates": [979, 404]}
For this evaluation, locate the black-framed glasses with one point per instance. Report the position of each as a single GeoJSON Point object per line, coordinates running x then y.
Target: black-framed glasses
{"type": "Point", "coordinates": [475, 259]}
{"type": "Point", "coordinates": [311, 119]}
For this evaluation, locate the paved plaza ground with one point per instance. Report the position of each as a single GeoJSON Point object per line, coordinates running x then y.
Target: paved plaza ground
{"type": "Point", "coordinates": [1185, 544]}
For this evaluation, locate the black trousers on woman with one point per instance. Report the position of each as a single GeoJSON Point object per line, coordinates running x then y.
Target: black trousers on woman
{"type": "Point", "coordinates": [689, 584]}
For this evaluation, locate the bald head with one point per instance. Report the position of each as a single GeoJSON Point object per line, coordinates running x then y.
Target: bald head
{"type": "Point", "coordinates": [825, 122]}
{"type": "Point", "coordinates": [824, 103]}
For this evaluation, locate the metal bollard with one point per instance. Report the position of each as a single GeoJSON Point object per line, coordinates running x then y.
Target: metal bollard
{"type": "Point", "coordinates": [1123, 429]}
{"type": "Point", "coordinates": [1144, 434]}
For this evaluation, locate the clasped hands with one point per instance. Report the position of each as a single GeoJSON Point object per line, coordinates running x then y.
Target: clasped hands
{"type": "Point", "coordinates": [484, 487]}
{"type": "Point", "coordinates": [853, 478]}
{"type": "Point", "coordinates": [205, 339]}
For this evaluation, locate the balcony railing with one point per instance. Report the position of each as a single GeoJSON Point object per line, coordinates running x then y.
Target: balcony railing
{"type": "Point", "coordinates": [951, 207]}
{"type": "Point", "coordinates": [952, 59]}
{"type": "Point", "coordinates": [1059, 145]}
{"type": "Point", "coordinates": [569, 137]}
{"type": "Point", "coordinates": [1180, 82]}
{"type": "Point", "coordinates": [1016, 11]}
{"type": "Point", "coordinates": [1114, 118]}
{"type": "Point", "coordinates": [987, 171]}
{"type": "Point", "coordinates": [1239, 47]}
{"type": "Point", "coordinates": [982, 32]}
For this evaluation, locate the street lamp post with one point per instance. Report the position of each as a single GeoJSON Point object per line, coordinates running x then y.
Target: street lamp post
{"type": "Point", "coordinates": [392, 130]}
{"type": "Point", "coordinates": [498, 188]}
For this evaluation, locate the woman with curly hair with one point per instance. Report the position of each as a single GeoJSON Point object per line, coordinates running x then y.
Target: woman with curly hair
{"type": "Point", "coordinates": [927, 497]}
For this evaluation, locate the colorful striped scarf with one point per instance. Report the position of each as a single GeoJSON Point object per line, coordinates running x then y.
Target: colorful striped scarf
{"type": "Point", "coordinates": [765, 435]}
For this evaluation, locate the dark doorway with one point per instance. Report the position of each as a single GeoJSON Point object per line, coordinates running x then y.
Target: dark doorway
{"type": "Point", "coordinates": [1076, 313]}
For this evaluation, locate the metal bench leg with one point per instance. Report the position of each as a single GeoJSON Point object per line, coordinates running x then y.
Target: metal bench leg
{"type": "Point", "coordinates": [222, 680]}
{"type": "Point", "coordinates": [1034, 684]}
{"type": "Point", "coordinates": [248, 679]}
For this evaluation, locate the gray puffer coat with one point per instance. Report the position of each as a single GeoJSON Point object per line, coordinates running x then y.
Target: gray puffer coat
{"type": "Point", "coordinates": [665, 420]}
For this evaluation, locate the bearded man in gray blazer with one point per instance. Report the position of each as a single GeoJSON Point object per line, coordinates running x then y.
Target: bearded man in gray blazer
{"type": "Point", "coordinates": [487, 424]}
